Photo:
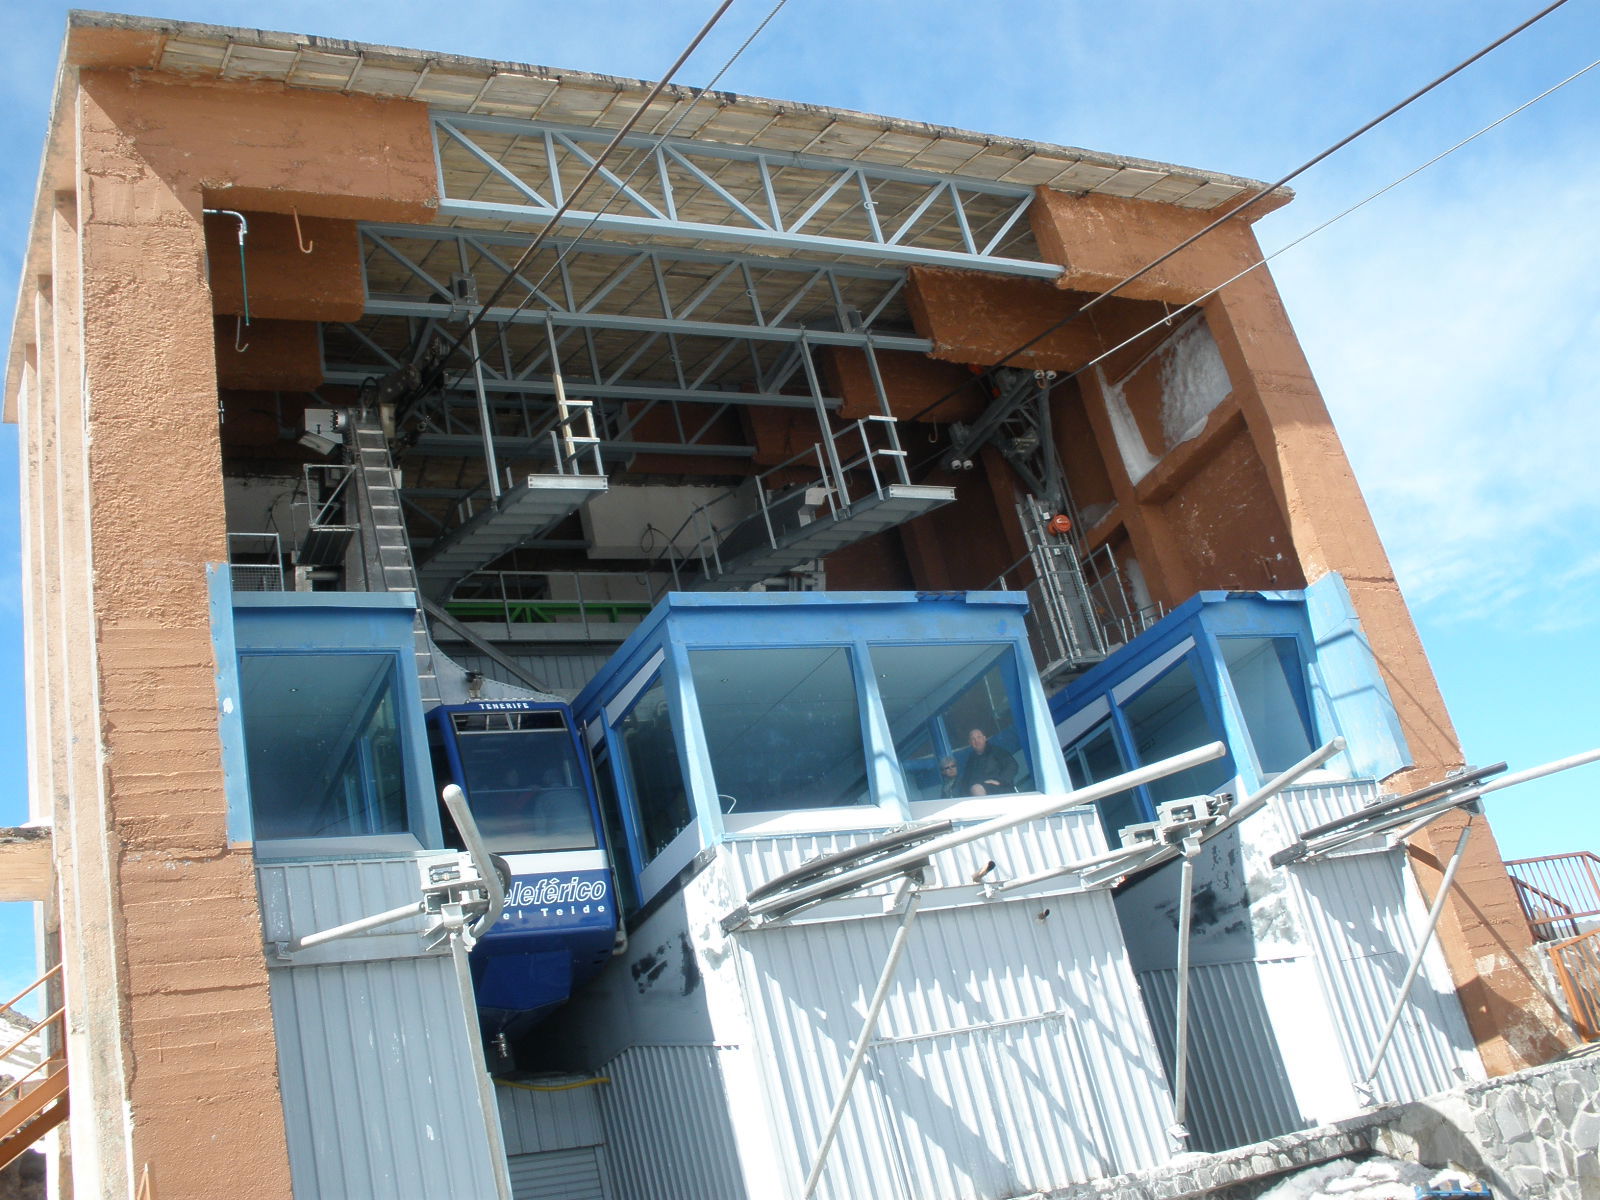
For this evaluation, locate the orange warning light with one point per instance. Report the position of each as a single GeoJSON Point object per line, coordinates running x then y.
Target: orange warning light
{"type": "Point", "coordinates": [1060, 524]}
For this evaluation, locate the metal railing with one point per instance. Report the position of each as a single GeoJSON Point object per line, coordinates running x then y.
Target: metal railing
{"type": "Point", "coordinates": [1577, 967]}
{"type": "Point", "coordinates": [36, 1102]}
{"type": "Point", "coordinates": [1557, 892]}
{"type": "Point", "coordinates": [1079, 609]}
{"type": "Point", "coordinates": [847, 467]}
{"type": "Point", "coordinates": [255, 562]}
{"type": "Point", "coordinates": [522, 598]}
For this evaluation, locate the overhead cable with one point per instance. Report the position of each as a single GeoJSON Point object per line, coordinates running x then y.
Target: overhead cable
{"type": "Point", "coordinates": [660, 136]}
{"type": "Point", "coordinates": [436, 372]}
{"type": "Point", "coordinates": [1252, 200]}
{"type": "Point", "coordinates": [1174, 314]}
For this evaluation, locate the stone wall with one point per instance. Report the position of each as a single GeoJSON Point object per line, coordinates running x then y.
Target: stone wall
{"type": "Point", "coordinates": [1533, 1135]}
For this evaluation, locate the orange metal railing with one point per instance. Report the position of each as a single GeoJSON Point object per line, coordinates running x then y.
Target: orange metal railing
{"type": "Point", "coordinates": [1557, 891]}
{"type": "Point", "coordinates": [1577, 967]}
{"type": "Point", "coordinates": [35, 1103]}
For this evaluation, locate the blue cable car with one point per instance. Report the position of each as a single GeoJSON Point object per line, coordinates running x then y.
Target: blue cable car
{"type": "Point", "coordinates": [528, 784]}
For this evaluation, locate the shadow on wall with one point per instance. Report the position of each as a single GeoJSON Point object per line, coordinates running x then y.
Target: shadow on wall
{"type": "Point", "coordinates": [24, 1179]}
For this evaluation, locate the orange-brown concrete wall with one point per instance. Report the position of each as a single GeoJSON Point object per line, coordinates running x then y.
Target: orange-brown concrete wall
{"type": "Point", "coordinates": [1265, 497]}
{"type": "Point", "coordinates": [168, 978]}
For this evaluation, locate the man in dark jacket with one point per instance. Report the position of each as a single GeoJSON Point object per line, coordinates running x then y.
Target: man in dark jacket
{"type": "Point", "coordinates": [990, 768]}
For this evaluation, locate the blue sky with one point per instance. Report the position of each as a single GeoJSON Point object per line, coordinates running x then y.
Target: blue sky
{"type": "Point", "coordinates": [1454, 325]}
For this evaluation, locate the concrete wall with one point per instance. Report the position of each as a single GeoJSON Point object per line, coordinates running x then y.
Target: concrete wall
{"type": "Point", "coordinates": [174, 1063]}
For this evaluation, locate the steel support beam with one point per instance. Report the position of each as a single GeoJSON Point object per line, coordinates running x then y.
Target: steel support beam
{"type": "Point", "coordinates": [954, 222]}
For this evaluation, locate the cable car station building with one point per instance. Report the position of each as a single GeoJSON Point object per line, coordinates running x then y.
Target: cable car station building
{"type": "Point", "coordinates": [851, 628]}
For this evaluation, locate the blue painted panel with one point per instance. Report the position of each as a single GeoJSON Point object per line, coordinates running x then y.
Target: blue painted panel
{"type": "Point", "coordinates": [1348, 682]}
{"type": "Point", "coordinates": [230, 722]}
{"type": "Point", "coordinates": [1341, 690]}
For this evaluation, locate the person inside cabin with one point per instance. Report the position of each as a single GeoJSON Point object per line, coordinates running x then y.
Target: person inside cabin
{"type": "Point", "coordinates": [990, 769]}
{"type": "Point", "coordinates": [950, 778]}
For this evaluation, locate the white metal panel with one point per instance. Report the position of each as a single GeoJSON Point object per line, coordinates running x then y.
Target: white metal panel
{"type": "Point", "coordinates": [1362, 910]}
{"type": "Point", "coordinates": [1022, 850]}
{"type": "Point", "coordinates": [379, 1095]}
{"type": "Point", "coordinates": [376, 1058]}
{"type": "Point", "coordinates": [1012, 1055]}
{"type": "Point", "coordinates": [666, 1113]}
{"type": "Point", "coordinates": [577, 1174]}
{"type": "Point", "coordinates": [1239, 1090]}
{"type": "Point", "coordinates": [1306, 807]}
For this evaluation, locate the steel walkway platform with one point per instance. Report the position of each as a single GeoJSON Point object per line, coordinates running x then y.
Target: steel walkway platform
{"type": "Point", "coordinates": [521, 513]}
{"type": "Point", "coordinates": [749, 555]}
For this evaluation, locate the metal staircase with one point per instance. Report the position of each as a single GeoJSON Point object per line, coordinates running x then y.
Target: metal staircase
{"type": "Point", "coordinates": [36, 1102]}
{"type": "Point", "coordinates": [386, 553]}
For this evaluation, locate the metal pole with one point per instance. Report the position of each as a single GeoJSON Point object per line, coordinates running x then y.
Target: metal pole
{"type": "Point", "coordinates": [1180, 1086]}
{"type": "Point", "coordinates": [484, 421]}
{"type": "Point", "coordinates": [868, 1026]}
{"type": "Point", "coordinates": [456, 802]}
{"type": "Point", "coordinates": [1365, 1082]}
{"type": "Point", "coordinates": [376, 921]}
{"type": "Point", "coordinates": [1050, 805]}
{"type": "Point", "coordinates": [822, 422]}
{"type": "Point", "coordinates": [563, 418]}
{"type": "Point", "coordinates": [488, 1106]}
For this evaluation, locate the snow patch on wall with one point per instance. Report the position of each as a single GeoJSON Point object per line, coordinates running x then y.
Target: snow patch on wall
{"type": "Point", "coordinates": [1193, 382]}
{"type": "Point", "coordinates": [1136, 456]}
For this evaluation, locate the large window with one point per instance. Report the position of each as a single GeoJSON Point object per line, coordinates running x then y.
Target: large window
{"type": "Point", "coordinates": [783, 727]}
{"type": "Point", "coordinates": [523, 781]}
{"type": "Point", "coordinates": [1095, 757]}
{"type": "Point", "coordinates": [943, 703]}
{"type": "Point", "coordinates": [651, 753]}
{"type": "Point", "coordinates": [1167, 718]}
{"type": "Point", "coordinates": [1266, 678]}
{"type": "Point", "coordinates": [322, 745]}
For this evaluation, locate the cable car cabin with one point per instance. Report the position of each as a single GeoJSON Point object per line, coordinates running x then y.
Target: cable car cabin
{"type": "Point", "coordinates": [528, 785]}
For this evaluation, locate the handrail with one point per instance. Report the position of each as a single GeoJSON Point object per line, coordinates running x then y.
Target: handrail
{"type": "Point", "coordinates": [48, 975]}
{"type": "Point", "coordinates": [1583, 993]}
{"type": "Point", "coordinates": [1569, 881]}
{"type": "Point", "coordinates": [16, 1084]}
{"type": "Point", "coordinates": [18, 1043]}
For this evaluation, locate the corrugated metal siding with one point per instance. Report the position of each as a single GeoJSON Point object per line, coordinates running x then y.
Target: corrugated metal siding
{"type": "Point", "coordinates": [537, 1121]}
{"type": "Point", "coordinates": [1362, 914]}
{"type": "Point", "coordinates": [1362, 928]}
{"type": "Point", "coordinates": [1012, 1055]}
{"type": "Point", "coordinates": [1238, 1092]}
{"type": "Point", "coordinates": [375, 1059]}
{"type": "Point", "coordinates": [559, 1175]}
{"type": "Point", "coordinates": [666, 1112]}
{"type": "Point", "coordinates": [1305, 807]}
{"type": "Point", "coordinates": [1021, 850]}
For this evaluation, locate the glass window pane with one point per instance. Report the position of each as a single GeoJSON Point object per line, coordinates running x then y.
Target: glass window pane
{"type": "Point", "coordinates": [322, 745]}
{"type": "Point", "coordinates": [783, 727]}
{"type": "Point", "coordinates": [1261, 670]}
{"type": "Point", "coordinates": [651, 751]}
{"type": "Point", "coordinates": [611, 813]}
{"type": "Point", "coordinates": [1168, 718]}
{"type": "Point", "coordinates": [523, 781]}
{"type": "Point", "coordinates": [1096, 757]}
{"type": "Point", "coordinates": [935, 697]}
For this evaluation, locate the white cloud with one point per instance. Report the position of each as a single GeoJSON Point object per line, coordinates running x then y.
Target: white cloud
{"type": "Point", "coordinates": [1456, 336]}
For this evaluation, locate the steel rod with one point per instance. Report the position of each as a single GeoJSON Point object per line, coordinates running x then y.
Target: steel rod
{"type": "Point", "coordinates": [485, 420]}
{"type": "Point", "coordinates": [1415, 965]}
{"type": "Point", "coordinates": [1048, 806]}
{"type": "Point", "coordinates": [868, 1026]}
{"type": "Point", "coordinates": [1180, 1037]}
